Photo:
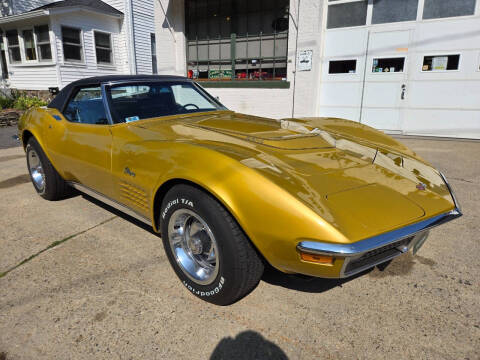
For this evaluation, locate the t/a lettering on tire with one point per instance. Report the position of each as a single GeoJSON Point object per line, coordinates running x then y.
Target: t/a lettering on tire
{"type": "Point", "coordinates": [211, 255]}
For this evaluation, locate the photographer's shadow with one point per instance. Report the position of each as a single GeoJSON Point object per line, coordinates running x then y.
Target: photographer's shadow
{"type": "Point", "coordinates": [247, 345]}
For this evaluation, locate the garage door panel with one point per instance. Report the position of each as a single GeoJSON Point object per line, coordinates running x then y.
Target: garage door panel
{"type": "Point", "coordinates": [341, 94]}
{"type": "Point", "coordinates": [464, 124]}
{"type": "Point", "coordinates": [341, 112]}
{"type": "Point", "coordinates": [346, 43]}
{"type": "Point", "coordinates": [381, 94]}
{"type": "Point", "coordinates": [444, 94]}
{"type": "Point", "coordinates": [383, 119]}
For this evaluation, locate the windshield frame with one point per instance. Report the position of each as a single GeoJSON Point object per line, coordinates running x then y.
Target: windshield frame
{"type": "Point", "coordinates": [106, 94]}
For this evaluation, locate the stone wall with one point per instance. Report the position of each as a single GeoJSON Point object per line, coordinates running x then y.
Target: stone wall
{"type": "Point", "coordinates": [9, 117]}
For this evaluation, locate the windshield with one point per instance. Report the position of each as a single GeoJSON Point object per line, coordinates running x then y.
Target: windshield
{"type": "Point", "coordinates": [145, 100]}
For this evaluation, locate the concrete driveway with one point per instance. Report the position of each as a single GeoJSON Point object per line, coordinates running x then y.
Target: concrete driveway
{"type": "Point", "coordinates": [86, 282]}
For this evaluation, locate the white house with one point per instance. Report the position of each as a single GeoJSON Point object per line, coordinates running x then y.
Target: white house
{"type": "Point", "coordinates": [48, 44]}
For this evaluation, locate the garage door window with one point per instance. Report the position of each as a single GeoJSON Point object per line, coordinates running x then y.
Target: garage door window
{"type": "Point", "coordinates": [389, 11]}
{"type": "Point", "coordinates": [388, 65]}
{"type": "Point", "coordinates": [347, 14]}
{"type": "Point", "coordinates": [342, 67]}
{"type": "Point", "coordinates": [435, 9]}
{"type": "Point", "coordinates": [441, 62]}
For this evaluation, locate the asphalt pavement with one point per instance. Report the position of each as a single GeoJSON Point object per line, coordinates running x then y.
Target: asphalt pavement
{"type": "Point", "coordinates": [82, 281]}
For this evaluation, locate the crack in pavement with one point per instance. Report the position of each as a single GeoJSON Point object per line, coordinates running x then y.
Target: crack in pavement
{"type": "Point", "coordinates": [461, 179]}
{"type": "Point", "coordinates": [52, 245]}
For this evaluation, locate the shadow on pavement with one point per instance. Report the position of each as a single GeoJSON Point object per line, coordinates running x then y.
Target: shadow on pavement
{"type": "Point", "coordinates": [247, 345]}
{"type": "Point", "coordinates": [118, 213]}
{"type": "Point", "coordinates": [302, 282]}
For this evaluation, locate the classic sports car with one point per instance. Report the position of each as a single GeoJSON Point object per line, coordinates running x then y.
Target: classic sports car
{"type": "Point", "coordinates": [229, 192]}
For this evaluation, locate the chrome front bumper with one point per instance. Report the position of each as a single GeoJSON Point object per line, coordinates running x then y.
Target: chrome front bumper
{"type": "Point", "coordinates": [367, 253]}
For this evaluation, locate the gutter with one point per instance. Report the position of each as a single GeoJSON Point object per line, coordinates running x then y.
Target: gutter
{"type": "Point", "coordinates": [24, 16]}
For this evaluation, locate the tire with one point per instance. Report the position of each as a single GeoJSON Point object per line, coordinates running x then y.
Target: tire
{"type": "Point", "coordinates": [45, 179]}
{"type": "Point", "coordinates": [198, 233]}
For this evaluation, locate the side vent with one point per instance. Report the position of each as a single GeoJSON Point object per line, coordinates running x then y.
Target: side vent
{"type": "Point", "coordinates": [134, 195]}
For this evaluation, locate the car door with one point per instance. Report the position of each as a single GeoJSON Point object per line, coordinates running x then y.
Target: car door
{"type": "Point", "coordinates": [80, 142]}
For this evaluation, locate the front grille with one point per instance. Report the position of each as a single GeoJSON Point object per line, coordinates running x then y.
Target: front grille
{"type": "Point", "coordinates": [376, 256]}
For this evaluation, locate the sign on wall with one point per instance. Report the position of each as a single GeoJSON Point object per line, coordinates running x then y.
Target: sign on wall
{"type": "Point", "coordinates": [305, 60]}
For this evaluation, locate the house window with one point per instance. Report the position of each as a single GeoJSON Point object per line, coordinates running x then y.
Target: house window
{"type": "Point", "coordinates": [153, 45]}
{"type": "Point", "coordinates": [441, 62]}
{"type": "Point", "coordinates": [13, 46]}
{"type": "Point", "coordinates": [72, 44]}
{"type": "Point", "coordinates": [434, 9]}
{"type": "Point", "coordinates": [103, 47]}
{"type": "Point", "coordinates": [388, 65]}
{"type": "Point", "coordinates": [43, 42]}
{"type": "Point", "coordinates": [389, 11]}
{"type": "Point", "coordinates": [237, 39]}
{"type": "Point", "coordinates": [29, 45]}
{"type": "Point", "coordinates": [347, 14]}
{"type": "Point", "coordinates": [342, 67]}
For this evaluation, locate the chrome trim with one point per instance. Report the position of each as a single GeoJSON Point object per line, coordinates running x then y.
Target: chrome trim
{"type": "Point", "coordinates": [359, 247]}
{"type": "Point", "coordinates": [105, 104]}
{"type": "Point", "coordinates": [354, 250]}
{"type": "Point", "coordinates": [452, 193]}
{"type": "Point", "coordinates": [115, 204]}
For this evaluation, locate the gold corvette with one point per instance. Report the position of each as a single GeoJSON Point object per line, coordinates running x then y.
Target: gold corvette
{"type": "Point", "coordinates": [231, 192]}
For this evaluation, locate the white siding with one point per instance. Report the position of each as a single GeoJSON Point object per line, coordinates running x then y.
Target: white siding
{"type": "Point", "coordinates": [89, 22]}
{"type": "Point", "coordinates": [32, 77]}
{"type": "Point", "coordinates": [143, 26]}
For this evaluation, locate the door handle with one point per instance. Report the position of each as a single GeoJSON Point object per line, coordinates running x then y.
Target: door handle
{"type": "Point", "coordinates": [404, 89]}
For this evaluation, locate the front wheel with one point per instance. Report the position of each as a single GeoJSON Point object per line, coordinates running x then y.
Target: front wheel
{"type": "Point", "coordinates": [206, 247]}
{"type": "Point", "coordinates": [45, 179]}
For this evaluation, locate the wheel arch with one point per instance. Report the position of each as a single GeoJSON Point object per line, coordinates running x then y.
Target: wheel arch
{"type": "Point", "coordinates": [27, 135]}
{"type": "Point", "coordinates": [167, 185]}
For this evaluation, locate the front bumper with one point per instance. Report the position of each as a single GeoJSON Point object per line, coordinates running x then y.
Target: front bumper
{"type": "Point", "coordinates": [370, 252]}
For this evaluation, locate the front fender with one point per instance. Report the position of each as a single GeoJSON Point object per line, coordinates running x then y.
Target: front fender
{"type": "Point", "coordinates": [273, 219]}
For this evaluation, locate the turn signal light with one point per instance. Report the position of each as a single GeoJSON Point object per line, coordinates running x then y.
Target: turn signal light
{"type": "Point", "coordinates": [319, 259]}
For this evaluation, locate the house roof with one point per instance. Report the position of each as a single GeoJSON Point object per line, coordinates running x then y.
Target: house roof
{"type": "Point", "coordinates": [95, 5]}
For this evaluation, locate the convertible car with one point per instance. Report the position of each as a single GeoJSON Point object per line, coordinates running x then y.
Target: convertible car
{"type": "Point", "coordinates": [230, 193]}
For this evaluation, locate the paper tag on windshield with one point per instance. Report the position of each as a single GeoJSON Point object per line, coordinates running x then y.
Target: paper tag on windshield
{"type": "Point", "coordinates": [131, 118]}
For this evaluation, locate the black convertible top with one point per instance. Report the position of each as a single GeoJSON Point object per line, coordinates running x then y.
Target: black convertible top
{"type": "Point", "coordinates": [64, 94]}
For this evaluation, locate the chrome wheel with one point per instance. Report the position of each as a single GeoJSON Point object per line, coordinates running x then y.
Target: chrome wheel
{"type": "Point", "coordinates": [36, 169]}
{"type": "Point", "coordinates": [194, 246]}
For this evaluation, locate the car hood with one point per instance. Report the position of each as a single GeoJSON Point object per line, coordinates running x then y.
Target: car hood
{"type": "Point", "coordinates": [344, 173]}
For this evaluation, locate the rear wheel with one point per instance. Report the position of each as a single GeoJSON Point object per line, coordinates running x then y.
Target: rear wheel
{"type": "Point", "coordinates": [207, 249]}
{"type": "Point", "coordinates": [45, 179]}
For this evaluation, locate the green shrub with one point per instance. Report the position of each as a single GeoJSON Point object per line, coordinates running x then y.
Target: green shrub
{"type": "Point", "coordinates": [24, 102]}
{"type": "Point", "coordinates": [5, 102]}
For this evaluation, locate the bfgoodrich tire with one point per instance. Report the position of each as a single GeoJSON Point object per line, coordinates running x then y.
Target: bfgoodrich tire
{"type": "Point", "coordinates": [45, 179]}
{"type": "Point", "coordinates": [209, 252]}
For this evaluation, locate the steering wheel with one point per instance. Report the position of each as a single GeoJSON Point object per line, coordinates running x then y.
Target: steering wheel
{"type": "Point", "coordinates": [184, 107]}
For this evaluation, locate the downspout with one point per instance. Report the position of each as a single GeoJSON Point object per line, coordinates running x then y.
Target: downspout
{"type": "Point", "coordinates": [297, 26]}
{"type": "Point", "coordinates": [132, 48]}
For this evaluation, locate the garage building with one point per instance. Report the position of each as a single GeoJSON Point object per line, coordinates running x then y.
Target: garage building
{"type": "Point", "coordinates": [403, 66]}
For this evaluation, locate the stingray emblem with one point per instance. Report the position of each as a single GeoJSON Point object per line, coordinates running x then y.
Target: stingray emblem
{"type": "Point", "coordinates": [129, 172]}
{"type": "Point", "coordinates": [421, 186]}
